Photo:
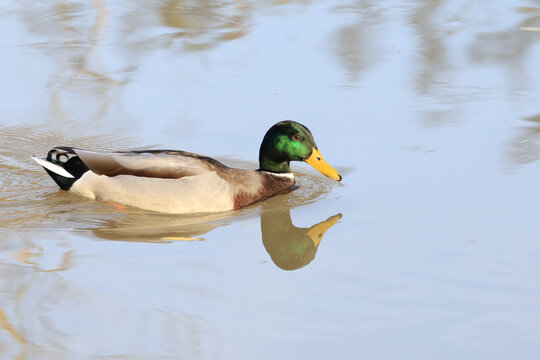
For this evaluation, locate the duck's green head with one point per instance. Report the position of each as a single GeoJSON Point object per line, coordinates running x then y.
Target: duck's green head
{"type": "Point", "coordinates": [289, 141]}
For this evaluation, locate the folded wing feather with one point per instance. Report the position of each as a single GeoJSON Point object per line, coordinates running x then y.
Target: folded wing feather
{"type": "Point", "coordinates": [167, 164]}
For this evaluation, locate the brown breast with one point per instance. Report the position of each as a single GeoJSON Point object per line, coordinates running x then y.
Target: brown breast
{"type": "Point", "coordinates": [267, 185]}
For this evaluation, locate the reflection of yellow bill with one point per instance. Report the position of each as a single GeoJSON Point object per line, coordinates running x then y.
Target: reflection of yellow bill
{"type": "Point", "coordinates": [317, 161]}
{"type": "Point", "coordinates": [181, 238]}
{"type": "Point", "coordinates": [317, 231]}
{"type": "Point", "coordinates": [530, 28]}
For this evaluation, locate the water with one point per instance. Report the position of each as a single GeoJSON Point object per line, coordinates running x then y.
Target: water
{"type": "Point", "coordinates": [430, 244]}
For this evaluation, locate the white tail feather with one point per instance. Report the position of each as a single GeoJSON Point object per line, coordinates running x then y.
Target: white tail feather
{"type": "Point", "coordinates": [53, 167]}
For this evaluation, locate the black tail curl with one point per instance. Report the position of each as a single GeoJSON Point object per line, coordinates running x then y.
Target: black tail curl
{"type": "Point", "coordinates": [68, 159]}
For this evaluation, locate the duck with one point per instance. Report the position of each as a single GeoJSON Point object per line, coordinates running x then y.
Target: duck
{"type": "Point", "coordinates": [174, 181]}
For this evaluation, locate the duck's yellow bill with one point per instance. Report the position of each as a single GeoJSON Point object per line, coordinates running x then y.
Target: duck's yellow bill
{"type": "Point", "coordinates": [317, 161]}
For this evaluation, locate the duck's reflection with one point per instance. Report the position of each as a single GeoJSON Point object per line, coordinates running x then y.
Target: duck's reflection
{"type": "Point", "coordinates": [290, 247]}
{"type": "Point", "coordinates": [153, 229]}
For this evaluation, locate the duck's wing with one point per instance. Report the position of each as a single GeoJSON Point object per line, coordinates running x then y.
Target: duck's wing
{"type": "Point", "coordinates": [168, 164]}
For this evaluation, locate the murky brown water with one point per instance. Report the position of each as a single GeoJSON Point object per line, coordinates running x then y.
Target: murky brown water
{"type": "Point", "coordinates": [427, 249]}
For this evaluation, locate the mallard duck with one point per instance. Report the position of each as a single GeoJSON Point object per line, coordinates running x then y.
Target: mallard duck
{"type": "Point", "coordinates": [181, 182]}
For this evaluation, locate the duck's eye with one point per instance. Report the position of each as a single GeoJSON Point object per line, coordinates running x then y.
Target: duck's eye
{"type": "Point", "coordinates": [297, 137]}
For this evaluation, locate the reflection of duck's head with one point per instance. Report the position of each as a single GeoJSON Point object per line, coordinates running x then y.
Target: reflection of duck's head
{"type": "Point", "coordinates": [291, 247]}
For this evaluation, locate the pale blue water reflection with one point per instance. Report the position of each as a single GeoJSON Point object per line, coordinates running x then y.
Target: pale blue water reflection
{"type": "Point", "coordinates": [432, 108]}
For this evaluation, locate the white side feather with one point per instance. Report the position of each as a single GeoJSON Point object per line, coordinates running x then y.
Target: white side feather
{"type": "Point", "coordinates": [53, 167]}
{"type": "Point", "coordinates": [201, 193]}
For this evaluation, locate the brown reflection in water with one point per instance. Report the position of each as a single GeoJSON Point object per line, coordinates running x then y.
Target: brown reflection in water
{"type": "Point", "coordinates": [8, 326]}
{"type": "Point", "coordinates": [509, 47]}
{"type": "Point", "coordinates": [157, 228]}
{"type": "Point", "coordinates": [191, 25]}
{"type": "Point", "coordinates": [524, 148]}
{"type": "Point", "coordinates": [433, 51]}
{"type": "Point", "coordinates": [356, 44]}
{"type": "Point", "coordinates": [73, 33]}
{"type": "Point", "coordinates": [434, 64]}
{"type": "Point", "coordinates": [205, 23]}
{"type": "Point", "coordinates": [290, 247]}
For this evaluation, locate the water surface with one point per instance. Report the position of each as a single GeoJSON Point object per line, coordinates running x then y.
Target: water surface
{"type": "Point", "coordinates": [428, 247]}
